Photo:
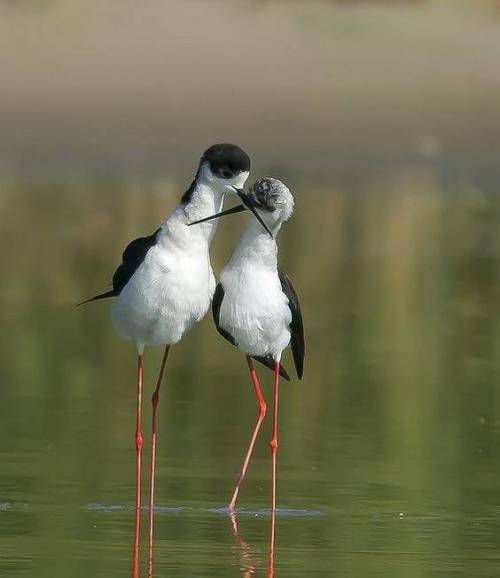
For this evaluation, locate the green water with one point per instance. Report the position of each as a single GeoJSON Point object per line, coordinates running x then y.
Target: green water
{"type": "Point", "coordinates": [389, 459]}
{"type": "Point", "coordinates": [383, 118]}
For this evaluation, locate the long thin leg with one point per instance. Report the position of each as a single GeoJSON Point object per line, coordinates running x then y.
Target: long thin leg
{"type": "Point", "coordinates": [138, 469]}
{"type": "Point", "coordinates": [273, 444]}
{"type": "Point", "coordinates": [152, 464]}
{"type": "Point", "coordinates": [261, 408]}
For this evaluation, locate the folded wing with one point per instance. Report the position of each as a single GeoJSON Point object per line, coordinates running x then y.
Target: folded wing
{"type": "Point", "coordinates": [132, 257]}
{"type": "Point", "coordinates": [296, 326]}
{"type": "Point", "coordinates": [216, 305]}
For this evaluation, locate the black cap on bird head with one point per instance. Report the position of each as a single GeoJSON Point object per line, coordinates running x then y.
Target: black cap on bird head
{"type": "Point", "coordinates": [225, 165]}
{"type": "Point", "coordinates": [226, 160]}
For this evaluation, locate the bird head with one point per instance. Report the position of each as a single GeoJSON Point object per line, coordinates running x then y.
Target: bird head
{"type": "Point", "coordinates": [270, 201]}
{"type": "Point", "coordinates": [225, 167]}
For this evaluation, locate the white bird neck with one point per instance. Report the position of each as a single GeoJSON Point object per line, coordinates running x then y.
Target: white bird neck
{"type": "Point", "coordinates": [205, 200]}
{"type": "Point", "coordinates": [256, 248]}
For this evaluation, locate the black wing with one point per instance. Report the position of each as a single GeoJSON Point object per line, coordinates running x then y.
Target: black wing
{"type": "Point", "coordinates": [296, 326]}
{"type": "Point", "coordinates": [216, 305]}
{"type": "Point", "coordinates": [132, 257]}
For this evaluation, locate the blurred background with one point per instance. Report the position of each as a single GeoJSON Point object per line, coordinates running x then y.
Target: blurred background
{"type": "Point", "coordinates": [384, 120]}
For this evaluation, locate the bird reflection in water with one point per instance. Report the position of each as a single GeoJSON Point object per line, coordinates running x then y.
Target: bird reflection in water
{"type": "Point", "coordinates": [270, 566]}
{"type": "Point", "coordinates": [247, 559]}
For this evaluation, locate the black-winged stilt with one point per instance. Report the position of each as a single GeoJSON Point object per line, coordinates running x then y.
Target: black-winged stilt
{"type": "Point", "coordinates": [256, 308]}
{"type": "Point", "coordinates": [165, 284]}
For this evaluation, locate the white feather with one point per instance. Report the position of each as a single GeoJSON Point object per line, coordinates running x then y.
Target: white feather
{"type": "Point", "coordinates": [255, 310]}
{"type": "Point", "coordinates": [172, 289]}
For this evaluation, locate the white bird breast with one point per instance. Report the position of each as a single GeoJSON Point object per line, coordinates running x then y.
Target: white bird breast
{"type": "Point", "coordinates": [255, 310]}
{"type": "Point", "coordinates": [170, 291]}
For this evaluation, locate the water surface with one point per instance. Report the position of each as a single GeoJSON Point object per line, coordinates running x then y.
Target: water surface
{"type": "Point", "coordinates": [389, 456]}
{"type": "Point", "coordinates": [384, 120]}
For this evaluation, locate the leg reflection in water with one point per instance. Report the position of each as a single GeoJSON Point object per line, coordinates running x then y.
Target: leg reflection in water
{"type": "Point", "coordinates": [247, 560]}
{"type": "Point", "coordinates": [270, 566]}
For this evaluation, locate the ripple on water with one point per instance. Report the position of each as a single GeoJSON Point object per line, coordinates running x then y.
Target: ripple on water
{"type": "Point", "coordinates": [120, 507]}
{"type": "Point", "coordinates": [280, 512]}
{"type": "Point", "coordinates": [224, 511]}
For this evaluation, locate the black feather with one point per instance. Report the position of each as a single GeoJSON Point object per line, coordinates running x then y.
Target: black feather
{"type": "Point", "coordinates": [188, 195]}
{"type": "Point", "coordinates": [132, 257]}
{"type": "Point", "coordinates": [225, 156]}
{"type": "Point", "coordinates": [110, 293]}
{"type": "Point", "coordinates": [296, 326]}
{"type": "Point", "coordinates": [268, 361]}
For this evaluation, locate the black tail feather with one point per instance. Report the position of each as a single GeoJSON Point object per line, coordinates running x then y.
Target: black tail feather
{"type": "Point", "coordinates": [269, 362]}
{"type": "Point", "coordinates": [110, 293]}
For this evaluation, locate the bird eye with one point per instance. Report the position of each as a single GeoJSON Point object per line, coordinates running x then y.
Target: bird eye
{"type": "Point", "coordinates": [226, 173]}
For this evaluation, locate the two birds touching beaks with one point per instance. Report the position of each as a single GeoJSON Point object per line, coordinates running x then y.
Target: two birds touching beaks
{"type": "Point", "coordinates": [165, 284]}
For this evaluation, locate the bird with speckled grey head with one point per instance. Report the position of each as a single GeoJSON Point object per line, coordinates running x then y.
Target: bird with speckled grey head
{"type": "Point", "coordinates": [256, 308]}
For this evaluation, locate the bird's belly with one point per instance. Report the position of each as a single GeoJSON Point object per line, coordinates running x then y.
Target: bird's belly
{"type": "Point", "coordinates": [159, 305]}
{"type": "Point", "coordinates": [257, 315]}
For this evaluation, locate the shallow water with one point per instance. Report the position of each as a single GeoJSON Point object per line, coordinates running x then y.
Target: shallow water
{"type": "Point", "coordinates": [383, 119]}
{"type": "Point", "coordinates": [389, 455]}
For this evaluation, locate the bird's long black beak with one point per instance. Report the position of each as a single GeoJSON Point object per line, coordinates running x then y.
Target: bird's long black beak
{"type": "Point", "coordinates": [248, 203]}
{"type": "Point", "coordinates": [231, 211]}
